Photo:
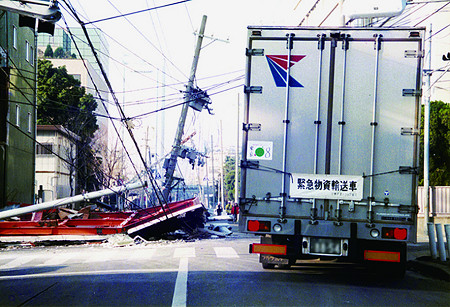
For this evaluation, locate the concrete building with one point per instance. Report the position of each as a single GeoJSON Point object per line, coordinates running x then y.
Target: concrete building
{"type": "Point", "coordinates": [17, 111]}
{"type": "Point", "coordinates": [62, 38]}
{"type": "Point", "coordinates": [86, 70]}
{"type": "Point", "coordinates": [55, 154]}
{"type": "Point", "coordinates": [83, 71]}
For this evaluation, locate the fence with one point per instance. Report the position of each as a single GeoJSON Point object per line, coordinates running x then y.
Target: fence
{"type": "Point", "coordinates": [439, 201]}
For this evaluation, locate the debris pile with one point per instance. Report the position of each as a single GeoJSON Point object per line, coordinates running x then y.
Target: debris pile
{"type": "Point", "coordinates": [62, 224]}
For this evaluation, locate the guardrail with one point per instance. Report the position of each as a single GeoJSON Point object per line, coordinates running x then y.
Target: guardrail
{"type": "Point", "coordinates": [439, 200]}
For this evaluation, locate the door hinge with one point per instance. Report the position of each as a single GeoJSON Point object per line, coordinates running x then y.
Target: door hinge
{"type": "Point", "coordinates": [413, 54]}
{"type": "Point", "coordinates": [409, 131]}
{"type": "Point", "coordinates": [254, 52]}
{"type": "Point", "coordinates": [251, 127]}
{"type": "Point", "coordinates": [253, 89]}
{"type": "Point", "coordinates": [411, 92]}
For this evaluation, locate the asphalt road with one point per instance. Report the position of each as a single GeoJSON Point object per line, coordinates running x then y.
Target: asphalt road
{"type": "Point", "coordinates": [217, 272]}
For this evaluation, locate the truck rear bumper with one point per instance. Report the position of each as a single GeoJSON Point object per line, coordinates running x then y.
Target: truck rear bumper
{"type": "Point", "coordinates": [351, 250]}
{"type": "Point", "coordinates": [328, 228]}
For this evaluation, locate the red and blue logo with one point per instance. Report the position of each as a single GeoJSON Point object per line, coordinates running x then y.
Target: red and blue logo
{"type": "Point", "coordinates": [278, 65]}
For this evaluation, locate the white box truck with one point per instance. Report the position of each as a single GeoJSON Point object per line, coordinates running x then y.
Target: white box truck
{"type": "Point", "coordinates": [330, 144]}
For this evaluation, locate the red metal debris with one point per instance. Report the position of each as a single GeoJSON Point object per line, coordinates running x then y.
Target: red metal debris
{"type": "Point", "coordinates": [144, 222]}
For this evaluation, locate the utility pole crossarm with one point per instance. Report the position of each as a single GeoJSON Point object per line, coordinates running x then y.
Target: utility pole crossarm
{"type": "Point", "coordinates": [170, 167]}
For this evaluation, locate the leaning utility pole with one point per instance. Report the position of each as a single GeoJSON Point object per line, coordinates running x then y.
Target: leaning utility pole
{"type": "Point", "coordinates": [172, 162]}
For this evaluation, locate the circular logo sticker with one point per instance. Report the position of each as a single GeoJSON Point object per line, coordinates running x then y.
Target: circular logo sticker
{"type": "Point", "coordinates": [259, 151]}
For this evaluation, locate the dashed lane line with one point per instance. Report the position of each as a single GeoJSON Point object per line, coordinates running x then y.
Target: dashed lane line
{"type": "Point", "coordinates": [225, 252]}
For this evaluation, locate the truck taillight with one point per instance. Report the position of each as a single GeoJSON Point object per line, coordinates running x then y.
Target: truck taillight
{"type": "Point", "coordinates": [255, 225]}
{"type": "Point", "coordinates": [394, 233]}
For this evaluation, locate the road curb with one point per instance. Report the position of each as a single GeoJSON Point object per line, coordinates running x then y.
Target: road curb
{"type": "Point", "coordinates": [426, 266]}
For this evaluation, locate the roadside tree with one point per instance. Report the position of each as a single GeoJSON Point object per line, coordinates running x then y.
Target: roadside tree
{"type": "Point", "coordinates": [63, 101]}
{"type": "Point", "coordinates": [439, 144]}
{"type": "Point", "coordinates": [229, 178]}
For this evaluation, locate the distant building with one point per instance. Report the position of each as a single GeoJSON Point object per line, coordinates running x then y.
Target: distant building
{"type": "Point", "coordinates": [55, 154]}
{"type": "Point", "coordinates": [62, 38]}
{"type": "Point", "coordinates": [17, 111]}
{"type": "Point", "coordinates": [86, 70]}
{"type": "Point", "coordinates": [83, 71]}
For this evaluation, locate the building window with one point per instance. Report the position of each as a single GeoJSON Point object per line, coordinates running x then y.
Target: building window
{"type": "Point", "coordinates": [44, 149]}
{"type": "Point", "coordinates": [17, 115]}
{"type": "Point", "coordinates": [27, 51]}
{"type": "Point", "coordinates": [30, 122]}
{"type": "Point", "coordinates": [76, 77]}
{"type": "Point", "coordinates": [31, 55]}
{"type": "Point", "coordinates": [15, 37]}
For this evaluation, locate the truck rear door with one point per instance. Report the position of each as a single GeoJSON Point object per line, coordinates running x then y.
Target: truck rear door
{"type": "Point", "coordinates": [331, 125]}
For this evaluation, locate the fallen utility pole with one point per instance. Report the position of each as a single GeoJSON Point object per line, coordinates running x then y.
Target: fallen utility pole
{"type": "Point", "coordinates": [69, 200]}
{"type": "Point", "coordinates": [172, 163]}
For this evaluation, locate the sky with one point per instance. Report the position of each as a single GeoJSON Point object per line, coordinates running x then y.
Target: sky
{"type": "Point", "coordinates": [151, 56]}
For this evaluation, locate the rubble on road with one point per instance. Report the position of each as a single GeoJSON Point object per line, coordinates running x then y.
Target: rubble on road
{"type": "Point", "coordinates": [62, 224]}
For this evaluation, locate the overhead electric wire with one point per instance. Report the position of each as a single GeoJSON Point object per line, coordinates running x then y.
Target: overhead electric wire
{"type": "Point", "coordinates": [56, 154]}
{"type": "Point", "coordinates": [151, 44]}
{"type": "Point", "coordinates": [145, 61]}
{"type": "Point", "coordinates": [161, 98]}
{"type": "Point", "coordinates": [405, 16]}
{"type": "Point", "coordinates": [136, 12]}
{"type": "Point", "coordinates": [106, 109]}
{"type": "Point", "coordinates": [179, 104]}
{"type": "Point", "coordinates": [150, 175]}
{"type": "Point", "coordinates": [158, 99]}
{"type": "Point", "coordinates": [189, 16]}
{"type": "Point", "coordinates": [173, 84]}
{"type": "Point", "coordinates": [432, 13]}
{"type": "Point", "coordinates": [35, 140]}
{"type": "Point", "coordinates": [160, 27]}
{"type": "Point", "coordinates": [127, 49]}
{"type": "Point", "coordinates": [153, 24]}
{"type": "Point", "coordinates": [133, 53]}
{"type": "Point", "coordinates": [440, 77]}
{"type": "Point", "coordinates": [31, 103]}
{"type": "Point", "coordinates": [123, 118]}
{"type": "Point", "coordinates": [39, 143]}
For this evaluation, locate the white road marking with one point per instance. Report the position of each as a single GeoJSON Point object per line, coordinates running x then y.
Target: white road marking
{"type": "Point", "coordinates": [184, 252]}
{"type": "Point", "coordinates": [180, 292]}
{"type": "Point", "coordinates": [17, 262]}
{"type": "Point", "coordinates": [225, 252]}
{"type": "Point", "coordinates": [105, 256]}
{"type": "Point", "coordinates": [85, 273]}
{"type": "Point", "coordinates": [59, 259]}
{"type": "Point", "coordinates": [145, 253]}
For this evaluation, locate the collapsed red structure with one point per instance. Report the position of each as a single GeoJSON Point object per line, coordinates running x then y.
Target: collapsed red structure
{"type": "Point", "coordinates": [146, 223]}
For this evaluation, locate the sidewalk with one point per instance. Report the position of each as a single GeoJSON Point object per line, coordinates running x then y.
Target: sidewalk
{"type": "Point", "coordinates": [419, 259]}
